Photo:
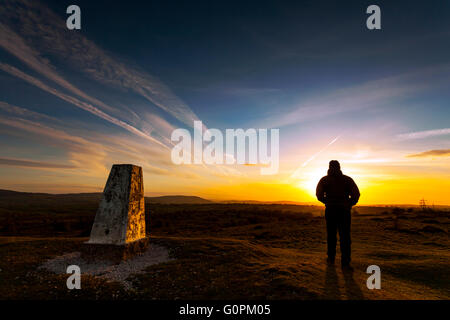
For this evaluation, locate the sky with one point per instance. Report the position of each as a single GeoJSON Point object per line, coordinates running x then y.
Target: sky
{"type": "Point", "coordinates": [74, 102]}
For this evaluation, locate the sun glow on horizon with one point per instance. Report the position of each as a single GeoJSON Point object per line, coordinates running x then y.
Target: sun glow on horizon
{"type": "Point", "coordinates": [308, 180]}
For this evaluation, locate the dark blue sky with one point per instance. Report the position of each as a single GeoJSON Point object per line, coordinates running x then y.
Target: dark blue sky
{"type": "Point", "coordinates": [253, 56]}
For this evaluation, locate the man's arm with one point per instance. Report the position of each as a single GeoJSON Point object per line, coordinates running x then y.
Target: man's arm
{"type": "Point", "coordinates": [320, 193]}
{"type": "Point", "coordinates": [354, 193]}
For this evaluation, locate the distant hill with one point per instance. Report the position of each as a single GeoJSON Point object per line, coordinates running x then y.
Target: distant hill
{"type": "Point", "coordinates": [16, 199]}
{"type": "Point", "coordinates": [8, 196]}
{"type": "Point", "coordinates": [31, 198]}
{"type": "Point", "coordinates": [267, 202]}
{"type": "Point", "coordinates": [177, 200]}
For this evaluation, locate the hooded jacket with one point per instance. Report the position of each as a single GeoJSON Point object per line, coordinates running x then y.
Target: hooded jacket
{"type": "Point", "coordinates": [337, 189]}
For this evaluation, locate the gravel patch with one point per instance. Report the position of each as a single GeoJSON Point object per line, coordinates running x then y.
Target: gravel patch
{"type": "Point", "coordinates": [155, 254]}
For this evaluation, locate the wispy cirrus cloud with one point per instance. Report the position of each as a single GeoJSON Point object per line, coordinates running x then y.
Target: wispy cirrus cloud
{"type": "Point", "coordinates": [33, 164]}
{"type": "Point", "coordinates": [74, 101]}
{"type": "Point", "coordinates": [423, 134]}
{"type": "Point", "coordinates": [43, 48]}
{"type": "Point", "coordinates": [14, 44]}
{"type": "Point", "coordinates": [81, 54]}
{"type": "Point", "coordinates": [82, 153]}
{"type": "Point", "coordinates": [431, 153]}
{"type": "Point", "coordinates": [370, 95]}
{"type": "Point", "coordinates": [89, 153]}
{"type": "Point", "coordinates": [22, 112]}
{"type": "Point", "coordinates": [30, 45]}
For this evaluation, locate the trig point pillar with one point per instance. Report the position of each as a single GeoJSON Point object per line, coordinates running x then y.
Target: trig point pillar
{"type": "Point", "coordinates": [118, 232]}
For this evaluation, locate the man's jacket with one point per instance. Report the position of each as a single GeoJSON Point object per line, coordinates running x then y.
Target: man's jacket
{"type": "Point", "coordinates": [336, 189]}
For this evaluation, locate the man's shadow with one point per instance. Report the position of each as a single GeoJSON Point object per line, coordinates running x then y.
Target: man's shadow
{"type": "Point", "coordinates": [331, 284]}
{"type": "Point", "coordinates": [332, 292]}
{"type": "Point", "coordinates": [351, 287]}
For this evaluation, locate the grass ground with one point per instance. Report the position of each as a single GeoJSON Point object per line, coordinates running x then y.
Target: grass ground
{"type": "Point", "coordinates": [229, 251]}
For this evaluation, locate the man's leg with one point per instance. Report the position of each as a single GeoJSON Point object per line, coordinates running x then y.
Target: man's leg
{"type": "Point", "coordinates": [344, 235]}
{"type": "Point", "coordinates": [330, 217]}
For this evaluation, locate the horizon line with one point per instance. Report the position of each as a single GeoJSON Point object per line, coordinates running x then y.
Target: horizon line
{"type": "Point", "coordinates": [313, 203]}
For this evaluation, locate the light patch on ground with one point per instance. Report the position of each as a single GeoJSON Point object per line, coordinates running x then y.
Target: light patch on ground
{"type": "Point", "coordinates": [112, 272]}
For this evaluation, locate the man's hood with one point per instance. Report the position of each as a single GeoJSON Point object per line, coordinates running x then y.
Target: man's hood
{"type": "Point", "coordinates": [334, 172]}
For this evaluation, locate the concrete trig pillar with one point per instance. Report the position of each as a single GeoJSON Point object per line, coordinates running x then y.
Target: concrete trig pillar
{"type": "Point", "coordinates": [118, 231]}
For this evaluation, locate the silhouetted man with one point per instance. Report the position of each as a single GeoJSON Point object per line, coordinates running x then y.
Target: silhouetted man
{"type": "Point", "coordinates": [339, 193]}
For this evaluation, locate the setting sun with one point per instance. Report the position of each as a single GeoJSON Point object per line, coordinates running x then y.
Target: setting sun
{"type": "Point", "coordinates": [309, 179]}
